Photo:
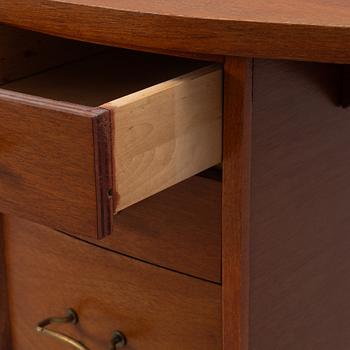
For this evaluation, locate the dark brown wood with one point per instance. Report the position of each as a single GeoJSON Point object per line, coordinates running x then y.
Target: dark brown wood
{"type": "Point", "coordinates": [55, 164]}
{"type": "Point", "coordinates": [179, 228]}
{"type": "Point", "coordinates": [236, 195]}
{"type": "Point", "coordinates": [104, 166]}
{"type": "Point", "coordinates": [313, 30]}
{"type": "Point", "coordinates": [155, 308]}
{"type": "Point", "coordinates": [346, 86]}
{"type": "Point", "coordinates": [102, 78]}
{"type": "Point", "coordinates": [24, 52]}
{"type": "Point", "coordinates": [300, 224]}
{"type": "Point", "coordinates": [5, 339]}
{"type": "Point", "coordinates": [184, 54]}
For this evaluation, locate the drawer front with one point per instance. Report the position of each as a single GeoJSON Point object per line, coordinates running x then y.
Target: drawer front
{"type": "Point", "coordinates": [156, 309]}
{"type": "Point", "coordinates": [55, 163]}
{"type": "Point", "coordinates": [179, 228]}
{"type": "Point", "coordinates": [71, 167]}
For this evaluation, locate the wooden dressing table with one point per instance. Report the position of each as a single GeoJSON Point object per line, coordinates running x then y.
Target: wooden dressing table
{"type": "Point", "coordinates": [118, 219]}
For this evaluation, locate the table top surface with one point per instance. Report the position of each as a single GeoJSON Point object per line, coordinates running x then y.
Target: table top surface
{"type": "Point", "coordinates": [312, 12]}
{"type": "Point", "coordinates": [317, 30]}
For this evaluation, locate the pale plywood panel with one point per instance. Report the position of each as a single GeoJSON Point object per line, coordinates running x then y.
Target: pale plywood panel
{"type": "Point", "coordinates": [166, 133]}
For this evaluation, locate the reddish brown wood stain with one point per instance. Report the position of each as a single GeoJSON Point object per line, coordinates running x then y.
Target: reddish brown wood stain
{"type": "Point", "coordinates": [4, 320]}
{"type": "Point", "coordinates": [179, 228]}
{"type": "Point", "coordinates": [54, 163]}
{"type": "Point", "coordinates": [295, 29]}
{"type": "Point", "coordinates": [236, 187]}
{"type": "Point", "coordinates": [300, 223]}
{"type": "Point", "coordinates": [286, 177]}
{"type": "Point", "coordinates": [155, 308]}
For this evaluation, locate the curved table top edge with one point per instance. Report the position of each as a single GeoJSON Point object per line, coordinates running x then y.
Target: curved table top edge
{"type": "Point", "coordinates": [86, 21]}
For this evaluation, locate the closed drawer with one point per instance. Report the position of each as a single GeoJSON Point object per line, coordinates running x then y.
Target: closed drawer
{"type": "Point", "coordinates": [178, 228]}
{"type": "Point", "coordinates": [129, 126]}
{"type": "Point", "coordinates": [156, 309]}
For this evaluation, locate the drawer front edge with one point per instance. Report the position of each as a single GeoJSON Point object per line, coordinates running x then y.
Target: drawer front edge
{"type": "Point", "coordinates": [56, 164]}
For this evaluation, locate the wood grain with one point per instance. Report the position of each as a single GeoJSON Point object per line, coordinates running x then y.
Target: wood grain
{"type": "Point", "coordinates": [5, 339]}
{"type": "Point", "coordinates": [299, 268]}
{"type": "Point", "coordinates": [183, 54]}
{"type": "Point", "coordinates": [155, 308]}
{"type": "Point", "coordinates": [179, 228]}
{"type": "Point", "coordinates": [235, 202]}
{"type": "Point", "coordinates": [24, 52]}
{"type": "Point", "coordinates": [167, 114]}
{"type": "Point", "coordinates": [166, 134]}
{"type": "Point", "coordinates": [52, 164]}
{"type": "Point", "coordinates": [316, 30]}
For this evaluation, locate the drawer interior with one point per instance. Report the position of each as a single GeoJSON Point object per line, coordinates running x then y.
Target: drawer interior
{"type": "Point", "coordinates": [24, 52]}
{"type": "Point", "coordinates": [121, 126]}
{"type": "Point", "coordinates": [103, 77]}
{"type": "Point", "coordinates": [159, 104]}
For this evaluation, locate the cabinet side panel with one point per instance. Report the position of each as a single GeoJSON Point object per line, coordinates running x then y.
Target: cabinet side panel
{"type": "Point", "coordinates": [299, 250]}
{"type": "Point", "coordinates": [5, 342]}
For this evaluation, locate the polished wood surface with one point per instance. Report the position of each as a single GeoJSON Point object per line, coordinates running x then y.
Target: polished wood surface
{"type": "Point", "coordinates": [285, 217]}
{"type": "Point", "coordinates": [300, 221]}
{"type": "Point", "coordinates": [155, 308]}
{"type": "Point", "coordinates": [167, 124]}
{"type": "Point", "coordinates": [55, 163]}
{"type": "Point", "coordinates": [317, 30]}
{"type": "Point", "coordinates": [236, 201]}
{"type": "Point", "coordinates": [179, 228]}
{"type": "Point", "coordinates": [5, 340]}
{"type": "Point", "coordinates": [24, 52]}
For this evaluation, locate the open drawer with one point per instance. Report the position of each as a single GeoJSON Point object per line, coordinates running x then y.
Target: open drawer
{"type": "Point", "coordinates": [82, 141]}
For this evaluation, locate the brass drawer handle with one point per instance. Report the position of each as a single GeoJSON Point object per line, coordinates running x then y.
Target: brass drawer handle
{"type": "Point", "coordinates": [118, 339]}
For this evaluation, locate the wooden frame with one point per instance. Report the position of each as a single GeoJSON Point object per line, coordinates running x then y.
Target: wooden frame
{"type": "Point", "coordinates": [236, 195]}
{"type": "Point", "coordinates": [5, 338]}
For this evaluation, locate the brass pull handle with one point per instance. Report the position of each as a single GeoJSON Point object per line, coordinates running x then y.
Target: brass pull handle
{"type": "Point", "coordinates": [118, 338]}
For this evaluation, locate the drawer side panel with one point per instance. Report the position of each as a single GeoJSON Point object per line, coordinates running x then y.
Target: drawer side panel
{"type": "Point", "coordinates": [166, 134]}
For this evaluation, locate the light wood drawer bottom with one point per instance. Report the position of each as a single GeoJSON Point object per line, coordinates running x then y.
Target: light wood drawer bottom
{"type": "Point", "coordinates": [155, 308]}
